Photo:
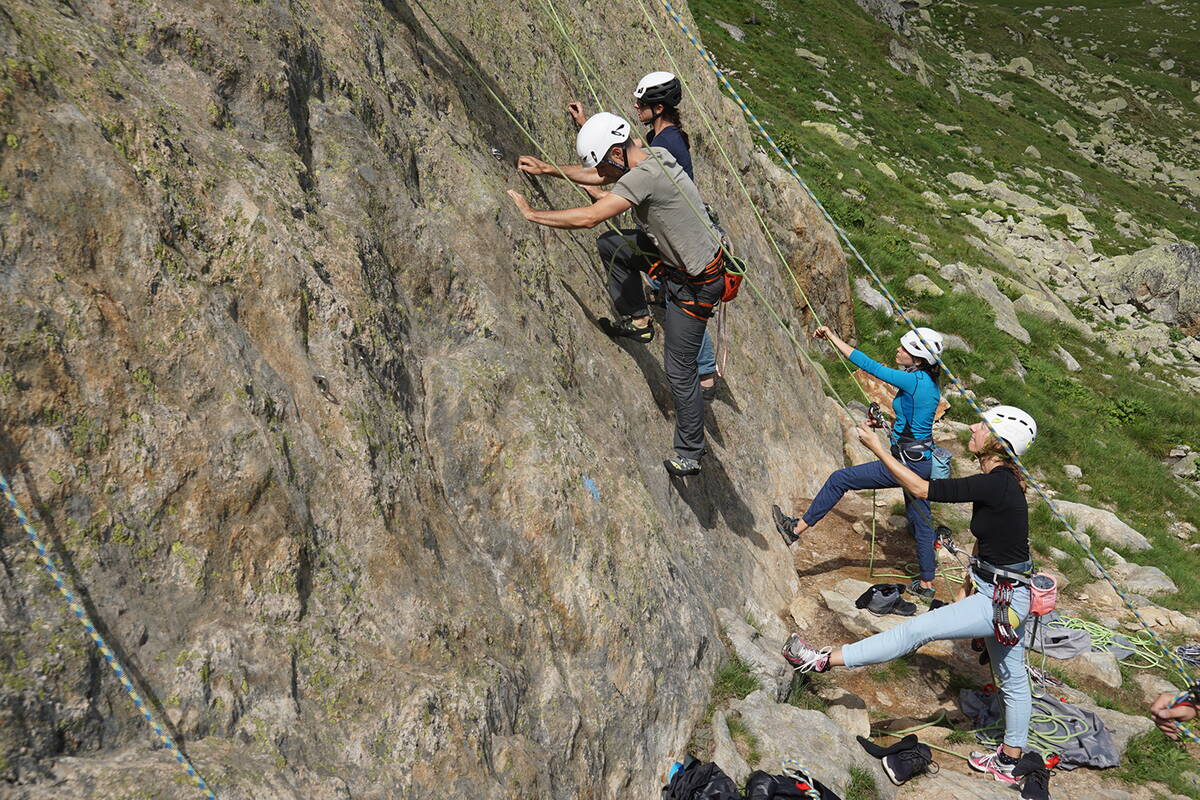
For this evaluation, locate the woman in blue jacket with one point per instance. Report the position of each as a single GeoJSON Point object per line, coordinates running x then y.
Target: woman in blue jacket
{"type": "Point", "coordinates": [912, 442]}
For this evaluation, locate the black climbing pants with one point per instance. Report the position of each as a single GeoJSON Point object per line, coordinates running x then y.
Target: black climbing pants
{"type": "Point", "coordinates": [683, 332]}
{"type": "Point", "coordinates": [626, 255]}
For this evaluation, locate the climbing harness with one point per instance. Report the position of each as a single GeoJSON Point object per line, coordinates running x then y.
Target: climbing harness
{"type": "Point", "coordinates": [713, 271]}
{"type": "Point", "coordinates": [109, 656]}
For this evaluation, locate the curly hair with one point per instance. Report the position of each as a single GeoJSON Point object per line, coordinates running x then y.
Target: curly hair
{"type": "Point", "coordinates": [993, 448]}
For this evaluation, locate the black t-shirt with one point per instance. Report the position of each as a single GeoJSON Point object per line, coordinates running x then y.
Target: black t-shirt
{"type": "Point", "coordinates": [671, 140]}
{"type": "Point", "coordinates": [1000, 516]}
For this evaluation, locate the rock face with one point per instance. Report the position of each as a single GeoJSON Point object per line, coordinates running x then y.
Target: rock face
{"type": "Point", "coordinates": [327, 433]}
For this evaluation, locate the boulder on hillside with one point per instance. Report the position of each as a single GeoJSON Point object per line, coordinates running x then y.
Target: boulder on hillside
{"type": "Point", "coordinates": [784, 731]}
{"type": "Point", "coordinates": [833, 132]}
{"type": "Point", "coordinates": [1162, 280]}
{"type": "Point", "coordinates": [922, 285]}
{"type": "Point", "coordinates": [1068, 360]}
{"type": "Point", "coordinates": [870, 295]}
{"type": "Point", "coordinates": [725, 754]}
{"type": "Point", "coordinates": [980, 283]}
{"type": "Point", "coordinates": [1020, 66]}
{"type": "Point", "coordinates": [889, 12]}
{"type": "Point", "coordinates": [1142, 580]}
{"type": "Point", "coordinates": [1105, 524]}
{"type": "Point", "coordinates": [810, 56]}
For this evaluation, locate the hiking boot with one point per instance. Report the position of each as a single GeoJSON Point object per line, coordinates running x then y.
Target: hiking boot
{"type": "Point", "coordinates": [909, 762]}
{"type": "Point", "coordinates": [680, 466]}
{"type": "Point", "coordinates": [1034, 775]}
{"type": "Point", "coordinates": [803, 657]}
{"type": "Point", "coordinates": [785, 525]}
{"type": "Point", "coordinates": [923, 592]}
{"type": "Point", "coordinates": [626, 327]}
{"type": "Point", "coordinates": [994, 765]}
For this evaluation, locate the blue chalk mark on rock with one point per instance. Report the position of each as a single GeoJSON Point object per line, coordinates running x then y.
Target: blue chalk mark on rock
{"type": "Point", "coordinates": [590, 485]}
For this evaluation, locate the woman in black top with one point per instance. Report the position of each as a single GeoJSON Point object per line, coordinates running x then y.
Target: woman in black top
{"type": "Point", "coordinates": [1000, 523]}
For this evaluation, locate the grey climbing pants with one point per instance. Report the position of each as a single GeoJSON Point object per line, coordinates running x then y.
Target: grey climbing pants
{"type": "Point", "coordinates": [628, 254]}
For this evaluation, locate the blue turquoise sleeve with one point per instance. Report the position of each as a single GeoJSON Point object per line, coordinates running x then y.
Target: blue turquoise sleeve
{"type": "Point", "coordinates": [905, 381]}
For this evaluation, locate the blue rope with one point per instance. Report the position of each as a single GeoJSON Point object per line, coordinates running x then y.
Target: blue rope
{"type": "Point", "coordinates": [109, 656]}
{"type": "Point", "coordinates": [903, 315]}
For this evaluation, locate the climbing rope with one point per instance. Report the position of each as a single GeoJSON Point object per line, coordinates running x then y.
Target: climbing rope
{"type": "Point", "coordinates": [900, 312]}
{"type": "Point", "coordinates": [797, 772]}
{"type": "Point", "coordinates": [109, 656]}
{"type": "Point", "coordinates": [1144, 655]}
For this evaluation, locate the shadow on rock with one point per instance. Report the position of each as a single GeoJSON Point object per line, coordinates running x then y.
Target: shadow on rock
{"type": "Point", "coordinates": [656, 377]}
{"type": "Point", "coordinates": [712, 493]}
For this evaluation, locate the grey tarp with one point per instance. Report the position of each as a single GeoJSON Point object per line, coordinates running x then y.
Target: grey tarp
{"type": "Point", "coordinates": [1054, 641]}
{"type": "Point", "coordinates": [1090, 744]}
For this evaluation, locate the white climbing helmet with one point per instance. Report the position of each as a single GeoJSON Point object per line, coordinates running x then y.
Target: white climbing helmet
{"type": "Point", "coordinates": [598, 135]}
{"type": "Point", "coordinates": [911, 342]}
{"type": "Point", "coordinates": [1013, 426]}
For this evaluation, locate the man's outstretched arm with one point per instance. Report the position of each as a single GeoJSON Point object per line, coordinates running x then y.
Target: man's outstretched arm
{"type": "Point", "coordinates": [573, 172]}
{"type": "Point", "coordinates": [606, 207]}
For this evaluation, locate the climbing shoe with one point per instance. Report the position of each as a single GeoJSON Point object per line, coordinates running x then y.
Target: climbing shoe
{"type": "Point", "coordinates": [785, 525]}
{"type": "Point", "coordinates": [902, 760]}
{"type": "Point", "coordinates": [803, 657]}
{"type": "Point", "coordinates": [996, 764]}
{"type": "Point", "coordinates": [908, 762]}
{"type": "Point", "coordinates": [680, 466]}
{"type": "Point", "coordinates": [627, 328]}
{"type": "Point", "coordinates": [708, 392]}
{"type": "Point", "coordinates": [1034, 775]}
{"type": "Point", "coordinates": [924, 592]}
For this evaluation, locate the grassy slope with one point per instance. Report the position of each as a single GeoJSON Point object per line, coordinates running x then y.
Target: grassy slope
{"type": "Point", "coordinates": [1114, 423]}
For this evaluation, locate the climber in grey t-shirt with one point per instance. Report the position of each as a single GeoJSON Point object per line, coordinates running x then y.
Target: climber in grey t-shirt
{"type": "Point", "coordinates": [668, 207]}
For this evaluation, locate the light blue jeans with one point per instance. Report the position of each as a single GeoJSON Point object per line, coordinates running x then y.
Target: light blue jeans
{"type": "Point", "coordinates": [969, 618]}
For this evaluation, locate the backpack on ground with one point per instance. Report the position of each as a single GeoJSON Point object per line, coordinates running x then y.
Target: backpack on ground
{"type": "Point", "coordinates": [764, 786]}
{"type": "Point", "coordinates": [700, 780]}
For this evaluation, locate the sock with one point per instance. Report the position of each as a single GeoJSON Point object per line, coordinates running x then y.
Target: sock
{"type": "Point", "coordinates": [1007, 760]}
{"type": "Point", "coordinates": [822, 665]}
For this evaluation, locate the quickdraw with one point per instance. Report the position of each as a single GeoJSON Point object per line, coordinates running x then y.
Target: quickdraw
{"type": "Point", "coordinates": [1002, 597]}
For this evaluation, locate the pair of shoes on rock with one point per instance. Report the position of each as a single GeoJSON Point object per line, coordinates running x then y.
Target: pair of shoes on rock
{"type": "Point", "coordinates": [626, 328]}
{"type": "Point", "coordinates": [1030, 771]}
{"type": "Point", "coordinates": [903, 760]}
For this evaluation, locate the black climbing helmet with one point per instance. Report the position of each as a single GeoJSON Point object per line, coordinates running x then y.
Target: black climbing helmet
{"type": "Point", "coordinates": [659, 88]}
